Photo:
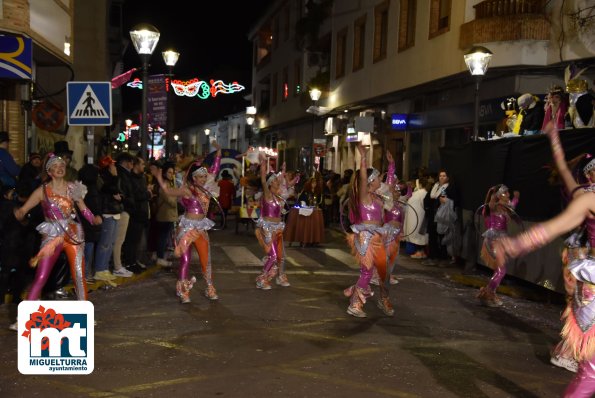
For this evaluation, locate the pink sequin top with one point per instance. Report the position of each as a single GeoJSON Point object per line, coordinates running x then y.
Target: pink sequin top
{"type": "Point", "coordinates": [197, 203]}
{"type": "Point", "coordinates": [497, 221]}
{"type": "Point", "coordinates": [58, 207]}
{"type": "Point", "coordinates": [395, 214]}
{"type": "Point", "coordinates": [270, 208]}
{"type": "Point", "coordinates": [371, 212]}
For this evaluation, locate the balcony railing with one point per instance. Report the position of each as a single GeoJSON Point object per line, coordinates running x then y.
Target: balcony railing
{"type": "Point", "coordinates": [506, 20]}
{"type": "Point", "coordinates": [499, 8]}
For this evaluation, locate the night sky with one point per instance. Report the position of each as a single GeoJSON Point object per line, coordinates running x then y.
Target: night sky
{"type": "Point", "coordinates": [212, 39]}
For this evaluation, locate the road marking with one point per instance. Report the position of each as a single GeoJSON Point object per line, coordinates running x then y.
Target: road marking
{"type": "Point", "coordinates": [299, 259]}
{"type": "Point", "coordinates": [241, 257]}
{"type": "Point", "coordinates": [335, 273]}
{"type": "Point", "coordinates": [341, 256]}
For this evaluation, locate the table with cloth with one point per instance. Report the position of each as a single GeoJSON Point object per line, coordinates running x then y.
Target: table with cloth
{"type": "Point", "coordinates": [304, 225]}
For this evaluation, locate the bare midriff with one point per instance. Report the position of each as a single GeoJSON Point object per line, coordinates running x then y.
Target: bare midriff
{"type": "Point", "coordinates": [395, 224]}
{"type": "Point", "coordinates": [372, 222]}
{"type": "Point", "coordinates": [194, 216]}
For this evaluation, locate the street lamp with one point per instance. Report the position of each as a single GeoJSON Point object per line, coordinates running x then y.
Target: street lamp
{"type": "Point", "coordinates": [144, 38]}
{"type": "Point", "coordinates": [250, 118]}
{"type": "Point", "coordinates": [170, 58]}
{"type": "Point", "coordinates": [176, 142]}
{"type": "Point", "coordinates": [206, 147]}
{"type": "Point", "coordinates": [314, 96]}
{"type": "Point", "coordinates": [477, 60]}
{"type": "Point", "coordinates": [128, 123]}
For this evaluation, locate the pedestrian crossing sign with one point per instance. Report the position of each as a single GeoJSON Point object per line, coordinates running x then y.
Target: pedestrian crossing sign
{"type": "Point", "coordinates": [89, 103]}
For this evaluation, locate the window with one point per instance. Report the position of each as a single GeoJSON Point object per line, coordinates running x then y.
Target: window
{"type": "Point", "coordinates": [439, 17]}
{"type": "Point", "coordinates": [285, 84]}
{"type": "Point", "coordinates": [274, 90]}
{"type": "Point", "coordinates": [359, 40]}
{"type": "Point", "coordinates": [380, 30]}
{"type": "Point", "coordinates": [340, 54]}
{"type": "Point", "coordinates": [297, 76]}
{"type": "Point", "coordinates": [407, 16]}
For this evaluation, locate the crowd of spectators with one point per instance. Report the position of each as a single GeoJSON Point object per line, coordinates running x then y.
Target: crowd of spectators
{"type": "Point", "coordinates": [571, 108]}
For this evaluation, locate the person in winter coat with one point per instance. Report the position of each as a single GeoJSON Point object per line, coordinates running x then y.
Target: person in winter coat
{"type": "Point", "coordinates": [166, 214]}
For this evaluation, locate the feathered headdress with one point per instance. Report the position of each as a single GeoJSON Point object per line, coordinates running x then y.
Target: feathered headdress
{"type": "Point", "coordinates": [571, 78]}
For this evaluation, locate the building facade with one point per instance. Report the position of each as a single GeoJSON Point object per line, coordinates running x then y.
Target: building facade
{"type": "Point", "coordinates": [69, 40]}
{"type": "Point", "coordinates": [397, 68]}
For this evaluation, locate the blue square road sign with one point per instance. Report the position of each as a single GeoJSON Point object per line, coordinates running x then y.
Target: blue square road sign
{"type": "Point", "coordinates": [89, 103]}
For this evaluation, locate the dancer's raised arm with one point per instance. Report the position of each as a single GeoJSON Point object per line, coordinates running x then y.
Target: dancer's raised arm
{"type": "Point", "coordinates": [214, 169]}
{"type": "Point", "coordinates": [391, 178]}
{"type": "Point", "coordinates": [560, 158]}
{"type": "Point", "coordinates": [363, 175]}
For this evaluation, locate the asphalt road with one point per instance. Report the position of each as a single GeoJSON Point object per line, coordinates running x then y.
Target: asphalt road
{"type": "Point", "coordinates": [299, 341]}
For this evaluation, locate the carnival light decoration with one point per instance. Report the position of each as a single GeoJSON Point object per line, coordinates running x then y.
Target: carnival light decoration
{"type": "Point", "coordinates": [197, 88]}
{"type": "Point", "coordinates": [204, 90]}
{"type": "Point", "coordinates": [136, 83]}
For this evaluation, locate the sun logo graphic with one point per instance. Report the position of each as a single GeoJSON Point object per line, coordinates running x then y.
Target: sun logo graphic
{"type": "Point", "coordinates": [56, 337]}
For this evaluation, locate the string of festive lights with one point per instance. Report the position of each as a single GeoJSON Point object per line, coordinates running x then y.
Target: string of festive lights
{"type": "Point", "coordinates": [197, 88]}
{"type": "Point", "coordinates": [204, 90]}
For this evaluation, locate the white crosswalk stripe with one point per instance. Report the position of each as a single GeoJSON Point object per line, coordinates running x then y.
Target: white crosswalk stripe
{"type": "Point", "coordinates": [241, 256]}
{"type": "Point", "coordinates": [341, 256]}
{"type": "Point", "coordinates": [298, 259]}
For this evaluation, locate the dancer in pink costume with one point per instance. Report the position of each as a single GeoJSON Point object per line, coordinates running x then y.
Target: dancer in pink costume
{"type": "Point", "coordinates": [393, 223]}
{"type": "Point", "coordinates": [366, 211]}
{"type": "Point", "coordinates": [270, 227]}
{"type": "Point", "coordinates": [497, 211]}
{"type": "Point", "coordinates": [578, 331]}
{"type": "Point", "coordinates": [575, 247]}
{"type": "Point", "coordinates": [195, 194]}
{"type": "Point", "coordinates": [60, 230]}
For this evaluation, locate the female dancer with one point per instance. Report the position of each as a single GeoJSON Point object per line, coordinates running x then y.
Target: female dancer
{"type": "Point", "coordinates": [579, 317]}
{"type": "Point", "coordinates": [367, 241]}
{"type": "Point", "coordinates": [497, 210]}
{"type": "Point", "coordinates": [393, 222]}
{"type": "Point", "coordinates": [288, 182]}
{"type": "Point", "coordinates": [60, 231]}
{"type": "Point", "coordinates": [269, 230]}
{"type": "Point", "coordinates": [195, 193]}
{"type": "Point", "coordinates": [562, 354]}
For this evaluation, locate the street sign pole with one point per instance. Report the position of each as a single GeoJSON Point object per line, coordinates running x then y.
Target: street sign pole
{"type": "Point", "coordinates": [90, 144]}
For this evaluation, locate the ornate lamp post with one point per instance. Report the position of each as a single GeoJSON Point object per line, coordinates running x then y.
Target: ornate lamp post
{"type": "Point", "coordinates": [145, 38]}
{"type": "Point", "coordinates": [477, 60]}
{"type": "Point", "coordinates": [170, 58]}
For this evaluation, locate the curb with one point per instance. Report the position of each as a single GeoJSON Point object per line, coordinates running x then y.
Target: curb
{"type": "Point", "coordinates": [119, 281]}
